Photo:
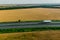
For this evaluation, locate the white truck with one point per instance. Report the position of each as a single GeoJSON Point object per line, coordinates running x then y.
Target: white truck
{"type": "Point", "coordinates": [46, 21]}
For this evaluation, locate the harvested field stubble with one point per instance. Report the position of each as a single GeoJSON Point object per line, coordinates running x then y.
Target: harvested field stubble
{"type": "Point", "coordinates": [38, 35]}
{"type": "Point", "coordinates": [30, 14]}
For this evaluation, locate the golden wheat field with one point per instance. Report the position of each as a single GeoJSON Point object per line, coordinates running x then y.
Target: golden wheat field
{"type": "Point", "coordinates": [38, 35]}
{"type": "Point", "coordinates": [29, 14]}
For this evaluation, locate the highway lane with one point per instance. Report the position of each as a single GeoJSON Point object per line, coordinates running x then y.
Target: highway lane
{"type": "Point", "coordinates": [29, 25]}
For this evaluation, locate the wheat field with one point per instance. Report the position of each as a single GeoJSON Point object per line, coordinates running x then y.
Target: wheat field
{"type": "Point", "coordinates": [29, 14]}
{"type": "Point", "coordinates": [37, 35]}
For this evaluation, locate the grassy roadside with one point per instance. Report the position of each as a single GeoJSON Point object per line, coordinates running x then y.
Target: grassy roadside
{"type": "Point", "coordinates": [29, 21]}
{"type": "Point", "coordinates": [23, 21]}
{"type": "Point", "coordinates": [12, 30]}
{"type": "Point", "coordinates": [55, 20]}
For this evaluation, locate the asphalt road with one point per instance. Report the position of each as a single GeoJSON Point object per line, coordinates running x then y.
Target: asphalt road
{"type": "Point", "coordinates": [28, 25]}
